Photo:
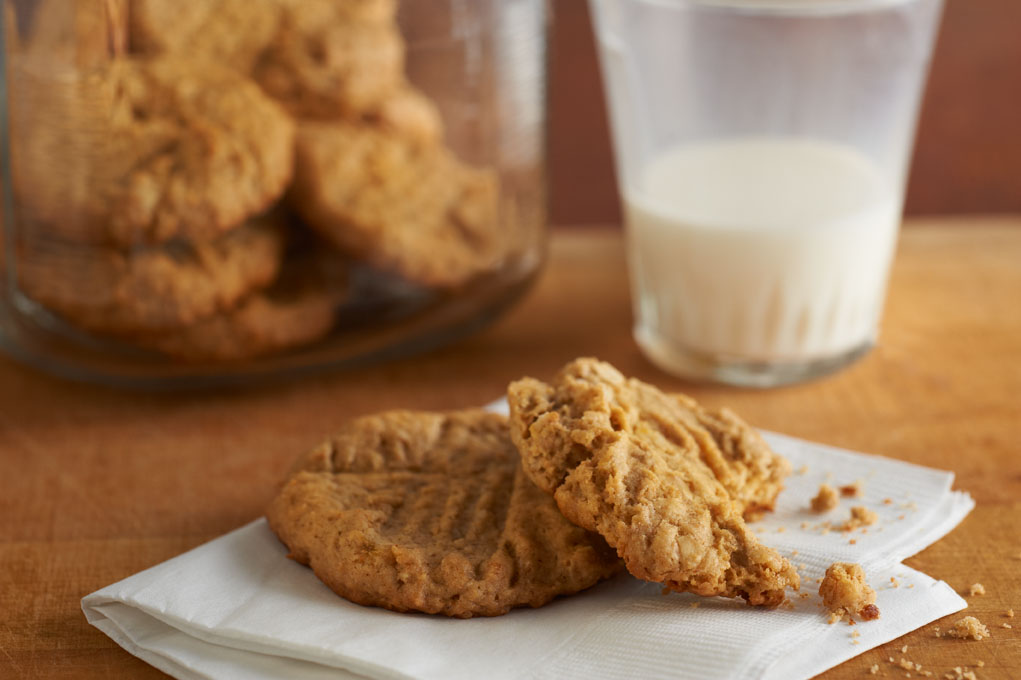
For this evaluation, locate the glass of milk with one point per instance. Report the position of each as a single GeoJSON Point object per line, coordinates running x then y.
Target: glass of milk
{"type": "Point", "coordinates": [762, 149]}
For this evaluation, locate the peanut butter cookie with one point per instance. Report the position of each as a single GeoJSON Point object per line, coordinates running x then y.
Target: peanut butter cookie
{"type": "Point", "coordinates": [413, 210]}
{"type": "Point", "coordinates": [151, 289]}
{"type": "Point", "coordinates": [229, 32]}
{"type": "Point", "coordinates": [296, 310]}
{"type": "Point", "coordinates": [143, 151]}
{"type": "Point", "coordinates": [641, 468]}
{"type": "Point", "coordinates": [333, 59]}
{"type": "Point", "coordinates": [431, 512]}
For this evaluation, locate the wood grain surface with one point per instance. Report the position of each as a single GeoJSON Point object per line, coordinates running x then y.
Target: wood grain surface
{"type": "Point", "coordinates": [98, 484]}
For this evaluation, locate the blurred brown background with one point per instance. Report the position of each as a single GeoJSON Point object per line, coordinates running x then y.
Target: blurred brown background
{"type": "Point", "coordinates": [968, 154]}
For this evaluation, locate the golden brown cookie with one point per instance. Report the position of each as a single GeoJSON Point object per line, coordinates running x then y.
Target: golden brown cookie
{"type": "Point", "coordinates": [846, 592]}
{"type": "Point", "coordinates": [637, 466]}
{"type": "Point", "coordinates": [142, 151]}
{"type": "Point", "coordinates": [229, 32]}
{"type": "Point", "coordinates": [332, 59]}
{"type": "Point", "coordinates": [150, 289]}
{"type": "Point", "coordinates": [431, 512]}
{"type": "Point", "coordinates": [408, 113]}
{"type": "Point", "coordinates": [750, 471]}
{"type": "Point", "coordinates": [296, 310]}
{"type": "Point", "coordinates": [413, 210]}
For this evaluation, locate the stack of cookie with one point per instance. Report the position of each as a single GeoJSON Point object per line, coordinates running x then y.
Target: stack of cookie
{"type": "Point", "coordinates": [170, 154]}
{"type": "Point", "coordinates": [471, 513]}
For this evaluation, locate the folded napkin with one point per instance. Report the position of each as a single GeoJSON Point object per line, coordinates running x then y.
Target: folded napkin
{"type": "Point", "coordinates": [236, 607]}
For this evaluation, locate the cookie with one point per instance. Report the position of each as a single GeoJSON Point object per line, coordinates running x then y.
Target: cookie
{"type": "Point", "coordinates": [750, 471]}
{"type": "Point", "coordinates": [409, 114]}
{"type": "Point", "coordinates": [412, 210]}
{"type": "Point", "coordinates": [323, 63]}
{"type": "Point", "coordinates": [229, 32]}
{"type": "Point", "coordinates": [296, 310]}
{"type": "Point", "coordinates": [630, 462]}
{"type": "Point", "coordinates": [143, 151]}
{"type": "Point", "coordinates": [846, 593]}
{"type": "Point", "coordinates": [152, 289]}
{"type": "Point", "coordinates": [431, 512]}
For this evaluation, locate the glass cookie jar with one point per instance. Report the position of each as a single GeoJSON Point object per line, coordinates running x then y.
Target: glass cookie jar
{"type": "Point", "coordinates": [202, 191]}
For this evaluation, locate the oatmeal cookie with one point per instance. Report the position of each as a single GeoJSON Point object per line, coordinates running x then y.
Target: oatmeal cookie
{"type": "Point", "coordinates": [151, 289]}
{"type": "Point", "coordinates": [413, 210]}
{"type": "Point", "coordinates": [324, 64]}
{"type": "Point", "coordinates": [639, 467]}
{"type": "Point", "coordinates": [297, 309]}
{"type": "Point", "coordinates": [143, 151]}
{"type": "Point", "coordinates": [431, 512]}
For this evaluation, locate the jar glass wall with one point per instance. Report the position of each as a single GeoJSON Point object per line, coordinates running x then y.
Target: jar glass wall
{"type": "Point", "coordinates": [205, 191]}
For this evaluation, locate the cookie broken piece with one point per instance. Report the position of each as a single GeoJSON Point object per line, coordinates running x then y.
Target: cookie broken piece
{"type": "Point", "coordinates": [432, 512]}
{"type": "Point", "coordinates": [846, 593]}
{"type": "Point", "coordinates": [825, 500]}
{"type": "Point", "coordinates": [641, 468]}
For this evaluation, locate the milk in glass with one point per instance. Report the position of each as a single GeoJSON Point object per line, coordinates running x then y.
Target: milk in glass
{"type": "Point", "coordinates": [760, 249]}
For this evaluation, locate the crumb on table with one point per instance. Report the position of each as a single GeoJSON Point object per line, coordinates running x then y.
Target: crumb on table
{"type": "Point", "coordinates": [977, 589]}
{"type": "Point", "coordinates": [826, 499]}
{"type": "Point", "coordinates": [969, 627]}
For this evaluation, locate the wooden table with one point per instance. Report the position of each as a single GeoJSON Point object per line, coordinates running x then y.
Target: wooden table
{"type": "Point", "coordinates": [98, 484]}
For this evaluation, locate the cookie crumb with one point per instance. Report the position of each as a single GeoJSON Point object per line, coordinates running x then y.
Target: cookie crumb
{"type": "Point", "coordinates": [874, 669]}
{"type": "Point", "coordinates": [853, 541]}
{"type": "Point", "coordinates": [802, 470]}
{"type": "Point", "coordinates": [977, 589]}
{"type": "Point", "coordinates": [1010, 613]}
{"type": "Point", "coordinates": [853, 490]}
{"type": "Point", "coordinates": [781, 529]}
{"type": "Point", "coordinates": [1006, 625]}
{"type": "Point", "coordinates": [894, 583]}
{"type": "Point", "coordinates": [904, 649]}
{"type": "Point", "coordinates": [845, 592]}
{"type": "Point", "coordinates": [969, 627]}
{"type": "Point", "coordinates": [860, 517]}
{"type": "Point", "coordinates": [825, 500]}
{"type": "Point", "coordinates": [693, 605]}
{"type": "Point", "coordinates": [980, 663]}
{"type": "Point", "coordinates": [887, 501]}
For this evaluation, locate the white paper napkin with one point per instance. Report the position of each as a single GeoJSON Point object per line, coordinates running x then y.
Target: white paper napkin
{"type": "Point", "coordinates": [238, 608]}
